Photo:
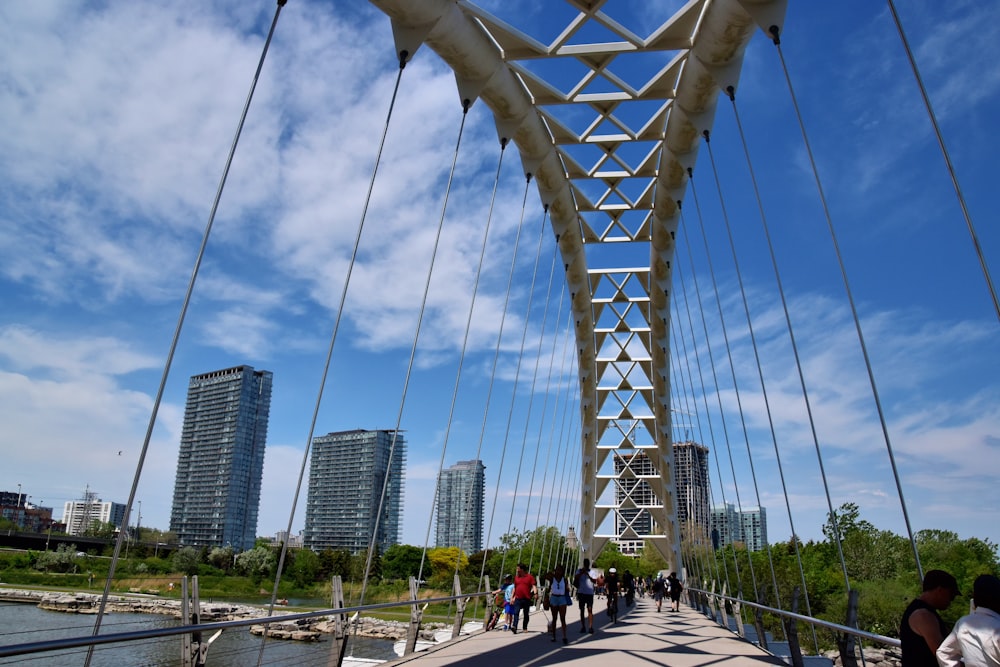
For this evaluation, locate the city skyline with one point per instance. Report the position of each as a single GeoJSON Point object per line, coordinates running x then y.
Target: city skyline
{"type": "Point", "coordinates": [116, 139]}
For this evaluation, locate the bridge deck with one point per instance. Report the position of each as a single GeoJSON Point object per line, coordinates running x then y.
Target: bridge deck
{"type": "Point", "coordinates": [641, 636]}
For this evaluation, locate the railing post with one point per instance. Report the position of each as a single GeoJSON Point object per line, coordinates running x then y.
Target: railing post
{"type": "Point", "coordinates": [416, 614]}
{"type": "Point", "coordinates": [845, 642]}
{"type": "Point", "coordinates": [339, 647]}
{"type": "Point", "coordinates": [792, 631]}
{"type": "Point", "coordinates": [721, 601]}
{"type": "Point", "coordinates": [758, 619]}
{"type": "Point", "coordinates": [460, 604]}
{"type": "Point", "coordinates": [193, 650]}
{"type": "Point", "coordinates": [738, 614]}
{"type": "Point", "coordinates": [489, 603]}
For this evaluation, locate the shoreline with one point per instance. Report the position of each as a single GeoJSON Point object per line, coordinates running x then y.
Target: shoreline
{"type": "Point", "coordinates": [75, 602]}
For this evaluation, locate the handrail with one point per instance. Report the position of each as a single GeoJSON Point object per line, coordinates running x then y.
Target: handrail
{"type": "Point", "coordinates": [882, 639]}
{"type": "Point", "coordinates": [94, 640]}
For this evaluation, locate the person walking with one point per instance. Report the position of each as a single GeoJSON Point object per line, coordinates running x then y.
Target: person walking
{"type": "Point", "coordinates": [921, 630]}
{"type": "Point", "coordinates": [558, 601]}
{"type": "Point", "coordinates": [584, 581]}
{"type": "Point", "coordinates": [675, 591]}
{"type": "Point", "coordinates": [658, 587]}
{"type": "Point", "coordinates": [975, 640]}
{"type": "Point", "coordinates": [525, 589]}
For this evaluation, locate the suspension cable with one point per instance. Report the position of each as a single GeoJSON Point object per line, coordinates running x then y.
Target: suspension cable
{"type": "Point", "coordinates": [517, 372]}
{"type": "Point", "coordinates": [541, 427]}
{"type": "Point", "coordinates": [493, 370]}
{"type": "Point", "coordinates": [732, 369]}
{"type": "Point", "coordinates": [850, 298]}
{"type": "Point", "coordinates": [947, 159]}
{"type": "Point", "coordinates": [722, 418]}
{"type": "Point", "coordinates": [531, 402]}
{"type": "Point", "coordinates": [177, 331]}
{"type": "Point", "coordinates": [413, 353]}
{"type": "Point", "coordinates": [795, 352]}
{"type": "Point", "coordinates": [403, 57]}
{"type": "Point", "coordinates": [756, 354]}
{"type": "Point", "coordinates": [458, 375]}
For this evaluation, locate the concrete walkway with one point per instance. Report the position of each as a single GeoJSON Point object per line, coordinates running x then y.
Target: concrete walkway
{"type": "Point", "coordinates": [640, 637]}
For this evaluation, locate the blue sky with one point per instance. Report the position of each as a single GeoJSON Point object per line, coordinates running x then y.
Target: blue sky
{"type": "Point", "coordinates": [117, 119]}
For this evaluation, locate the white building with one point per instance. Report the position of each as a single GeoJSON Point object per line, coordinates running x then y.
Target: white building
{"type": "Point", "coordinates": [80, 515]}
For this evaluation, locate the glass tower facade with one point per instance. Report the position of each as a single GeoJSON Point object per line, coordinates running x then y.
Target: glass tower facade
{"type": "Point", "coordinates": [221, 460]}
{"type": "Point", "coordinates": [461, 494]}
{"type": "Point", "coordinates": [691, 477]}
{"type": "Point", "coordinates": [730, 526]}
{"type": "Point", "coordinates": [347, 472]}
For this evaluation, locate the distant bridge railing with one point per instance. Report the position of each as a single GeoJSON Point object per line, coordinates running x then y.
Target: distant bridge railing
{"type": "Point", "coordinates": [846, 633]}
{"type": "Point", "coordinates": [194, 632]}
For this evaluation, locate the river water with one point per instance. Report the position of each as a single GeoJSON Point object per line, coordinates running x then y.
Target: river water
{"type": "Point", "coordinates": [236, 647]}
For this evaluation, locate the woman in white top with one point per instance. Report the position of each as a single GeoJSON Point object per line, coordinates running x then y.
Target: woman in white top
{"type": "Point", "coordinates": [559, 600]}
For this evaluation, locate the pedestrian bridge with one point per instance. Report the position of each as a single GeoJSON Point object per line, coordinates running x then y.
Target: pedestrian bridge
{"type": "Point", "coordinates": [649, 360]}
{"type": "Point", "coordinates": [641, 636]}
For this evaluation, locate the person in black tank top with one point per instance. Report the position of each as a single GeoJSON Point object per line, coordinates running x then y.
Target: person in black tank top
{"type": "Point", "coordinates": [921, 630]}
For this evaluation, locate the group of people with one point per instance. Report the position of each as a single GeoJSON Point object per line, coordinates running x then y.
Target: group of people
{"type": "Point", "coordinates": [518, 592]}
{"type": "Point", "coordinates": [975, 639]}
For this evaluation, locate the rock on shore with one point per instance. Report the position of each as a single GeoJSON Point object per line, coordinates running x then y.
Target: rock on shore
{"type": "Point", "coordinates": [301, 630]}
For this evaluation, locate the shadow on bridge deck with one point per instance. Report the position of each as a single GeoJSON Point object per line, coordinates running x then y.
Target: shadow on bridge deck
{"type": "Point", "coordinates": [641, 636]}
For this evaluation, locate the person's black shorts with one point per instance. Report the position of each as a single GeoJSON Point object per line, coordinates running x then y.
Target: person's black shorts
{"type": "Point", "coordinates": [586, 600]}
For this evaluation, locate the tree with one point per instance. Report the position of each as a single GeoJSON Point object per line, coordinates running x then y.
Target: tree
{"type": "Point", "coordinates": [335, 562]}
{"type": "Point", "coordinates": [63, 559]}
{"type": "Point", "coordinates": [305, 567]}
{"type": "Point", "coordinates": [401, 561]}
{"type": "Point", "coordinates": [222, 558]}
{"type": "Point", "coordinates": [101, 529]}
{"type": "Point", "coordinates": [186, 560]}
{"type": "Point", "coordinates": [257, 563]}
{"type": "Point", "coordinates": [845, 520]}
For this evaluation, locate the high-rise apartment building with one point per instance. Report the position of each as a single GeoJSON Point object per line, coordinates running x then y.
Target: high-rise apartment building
{"type": "Point", "coordinates": [461, 495]}
{"type": "Point", "coordinates": [347, 472]}
{"type": "Point", "coordinates": [221, 460]}
{"type": "Point", "coordinates": [753, 524]}
{"type": "Point", "coordinates": [748, 527]}
{"type": "Point", "coordinates": [633, 492]}
{"type": "Point", "coordinates": [90, 512]}
{"type": "Point", "coordinates": [691, 478]}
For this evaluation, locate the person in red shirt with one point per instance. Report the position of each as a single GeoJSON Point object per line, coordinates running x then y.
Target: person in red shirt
{"type": "Point", "coordinates": [525, 588]}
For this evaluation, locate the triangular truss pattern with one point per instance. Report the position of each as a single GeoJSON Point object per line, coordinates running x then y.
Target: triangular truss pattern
{"type": "Point", "coordinates": [610, 121]}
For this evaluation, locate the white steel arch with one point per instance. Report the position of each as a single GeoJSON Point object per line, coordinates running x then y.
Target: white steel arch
{"type": "Point", "coordinates": [626, 193]}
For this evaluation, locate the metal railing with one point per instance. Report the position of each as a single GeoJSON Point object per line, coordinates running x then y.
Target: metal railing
{"type": "Point", "coordinates": [194, 631]}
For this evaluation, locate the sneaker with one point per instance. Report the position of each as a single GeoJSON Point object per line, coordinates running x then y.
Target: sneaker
{"type": "Point", "coordinates": [583, 629]}
{"type": "Point", "coordinates": [514, 630]}
{"type": "Point", "coordinates": [565, 641]}
{"type": "Point", "coordinates": [591, 629]}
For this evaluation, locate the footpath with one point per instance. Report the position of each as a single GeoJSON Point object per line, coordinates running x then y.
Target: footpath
{"type": "Point", "coordinates": [642, 636]}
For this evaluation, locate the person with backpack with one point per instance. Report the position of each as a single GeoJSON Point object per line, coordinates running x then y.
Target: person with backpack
{"type": "Point", "coordinates": [659, 588]}
{"type": "Point", "coordinates": [675, 591]}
